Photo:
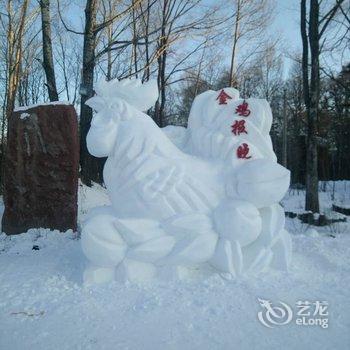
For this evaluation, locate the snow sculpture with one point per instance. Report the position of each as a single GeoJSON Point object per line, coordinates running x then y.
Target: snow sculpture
{"type": "Point", "coordinates": [207, 203]}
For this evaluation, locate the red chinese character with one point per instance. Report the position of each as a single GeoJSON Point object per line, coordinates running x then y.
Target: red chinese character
{"type": "Point", "coordinates": [223, 97]}
{"type": "Point", "coordinates": [239, 127]}
{"type": "Point", "coordinates": [242, 151]}
{"type": "Point", "coordinates": [243, 109]}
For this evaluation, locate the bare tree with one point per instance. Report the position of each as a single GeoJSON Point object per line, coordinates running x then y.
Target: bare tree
{"type": "Point", "coordinates": [251, 18]}
{"type": "Point", "coordinates": [16, 50]}
{"type": "Point", "coordinates": [31, 88]}
{"type": "Point", "coordinates": [176, 23]}
{"type": "Point", "coordinates": [48, 62]}
{"type": "Point", "coordinates": [15, 32]}
{"type": "Point", "coordinates": [90, 166]}
{"type": "Point", "coordinates": [312, 32]}
{"type": "Point", "coordinates": [269, 63]}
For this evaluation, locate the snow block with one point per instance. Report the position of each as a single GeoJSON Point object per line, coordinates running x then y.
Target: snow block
{"type": "Point", "coordinates": [41, 169]}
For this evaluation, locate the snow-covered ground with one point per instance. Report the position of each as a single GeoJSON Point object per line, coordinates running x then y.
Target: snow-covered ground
{"type": "Point", "coordinates": [43, 304]}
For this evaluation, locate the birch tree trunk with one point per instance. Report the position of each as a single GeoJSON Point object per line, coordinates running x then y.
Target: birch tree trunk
{"type": "Point", "coordinates": [47, 50]}
{"type": "Point", "coordinates": [162, 56]}
{"type": "Point", "coordinates": [311, 34]}
{"type": "Point", "coordinates": [312, 200]}
{"type": "Point", "coordinates": [14, 54]}
{"type": "Point", "coordinates": [234, 46]}
{"type": "Point", "coordinates": [285, 130]}
{"type": "Point", "coordinates": [90, 166]}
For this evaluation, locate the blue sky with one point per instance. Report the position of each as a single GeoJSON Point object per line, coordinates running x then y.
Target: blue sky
{"type": "Point", "coordinates": [286, 24]}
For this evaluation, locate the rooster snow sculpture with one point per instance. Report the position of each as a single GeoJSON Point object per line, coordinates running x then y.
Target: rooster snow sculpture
{"type": "Point", "coordinates": [210, 204]}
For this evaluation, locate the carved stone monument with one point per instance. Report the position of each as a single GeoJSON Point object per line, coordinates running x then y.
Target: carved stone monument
{"type": "Point", "coordinates": [41, 169]}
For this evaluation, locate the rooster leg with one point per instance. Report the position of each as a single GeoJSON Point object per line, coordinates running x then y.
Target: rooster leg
{"type": "Point", "coordinates": [102, 245]}
{"type": "Point", "coordinates": [238, 224]}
